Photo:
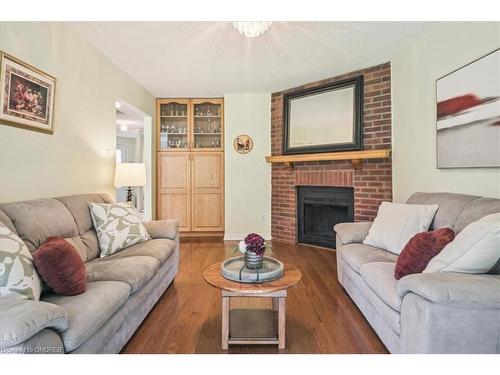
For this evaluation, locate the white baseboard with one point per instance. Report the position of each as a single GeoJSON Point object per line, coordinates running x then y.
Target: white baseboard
{"type": "Point", "coordinates": [241, 236]}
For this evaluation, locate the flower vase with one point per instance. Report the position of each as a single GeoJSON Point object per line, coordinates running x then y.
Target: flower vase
{"type": "Point", "coordinates": [253, 261]}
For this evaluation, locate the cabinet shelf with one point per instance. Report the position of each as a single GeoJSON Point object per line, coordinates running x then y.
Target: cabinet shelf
{"type": "Point", "coordinates": [173, 133]}
{"type": "Point", "coordinates": [356, 157]}
{"type": "Point", "coordinates": [164, 116]}
{"type": "Point", "coordinates": [207, 134]}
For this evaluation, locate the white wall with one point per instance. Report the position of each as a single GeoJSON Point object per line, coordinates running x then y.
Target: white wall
{"type": "Point", "coordinates": [150, 160]}
{"type": "Point", "coordinates": [247, 176]}
{"type": "Point", "coordinates": [80, 156]}
{"type": "Point", "coordinates": [445, 48]}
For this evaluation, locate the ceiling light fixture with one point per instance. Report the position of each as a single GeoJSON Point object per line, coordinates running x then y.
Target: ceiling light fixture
{"type": "Point", "coordinates": [251, 29]}
{"type": "Point", "coordinates": [123, 127]}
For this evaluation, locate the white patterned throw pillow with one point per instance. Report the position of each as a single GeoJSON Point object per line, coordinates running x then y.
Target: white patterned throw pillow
{"type": "Point", "coordinates": [18, 277]}
{"type": "Point", "coordinates": [118, 225]}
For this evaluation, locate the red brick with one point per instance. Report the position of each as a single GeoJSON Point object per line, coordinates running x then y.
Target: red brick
{"type": "Point", "coordinates": [372, 184]}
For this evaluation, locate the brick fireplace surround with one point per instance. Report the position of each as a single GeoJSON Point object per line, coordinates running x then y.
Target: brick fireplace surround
{"type": "Point", "coordinates": [372, 184]}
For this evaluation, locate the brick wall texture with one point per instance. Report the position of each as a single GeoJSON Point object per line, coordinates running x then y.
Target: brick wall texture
{"type": "Point", "coordinates": [372, 184]}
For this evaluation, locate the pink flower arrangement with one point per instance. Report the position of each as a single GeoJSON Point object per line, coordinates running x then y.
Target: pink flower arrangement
{"type": "Point", "coordinates": [253, 243]}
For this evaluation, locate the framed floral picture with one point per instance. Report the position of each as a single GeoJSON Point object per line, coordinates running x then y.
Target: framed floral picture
{"type": "Point", "coordinates": [27, 95]}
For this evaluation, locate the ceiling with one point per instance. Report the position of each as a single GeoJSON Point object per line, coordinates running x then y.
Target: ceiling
{"type": "Point", "coordinates": [209, 59]}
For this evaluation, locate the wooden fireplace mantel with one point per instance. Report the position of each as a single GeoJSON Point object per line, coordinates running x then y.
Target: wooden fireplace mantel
{"type": "Point", "coordinates": [356, 157]}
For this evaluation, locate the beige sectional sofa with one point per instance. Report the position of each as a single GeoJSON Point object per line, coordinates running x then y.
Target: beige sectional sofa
{"type": "Point", "coordinates": [121, 288]}
{"type": "Point", "coordinates": [425, 312]}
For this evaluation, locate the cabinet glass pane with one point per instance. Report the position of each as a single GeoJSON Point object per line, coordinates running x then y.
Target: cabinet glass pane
{"type": "Point", "coordinates": [207, 126]}
{"type": "Point", "coordinates": [173, 126]}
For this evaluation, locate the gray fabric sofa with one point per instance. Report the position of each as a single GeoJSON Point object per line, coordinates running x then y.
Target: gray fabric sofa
{"type": "Point", "coordinates": [121, 288]}
{"type": "Point", "coordinates": [424, 313]}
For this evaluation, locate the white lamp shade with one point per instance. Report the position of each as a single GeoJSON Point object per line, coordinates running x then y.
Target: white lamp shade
{"type": "Point", "coordinates": [130, 174]}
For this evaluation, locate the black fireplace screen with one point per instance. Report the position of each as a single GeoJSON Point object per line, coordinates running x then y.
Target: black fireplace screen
{"type": "Point", "coordinates": [319, 209]}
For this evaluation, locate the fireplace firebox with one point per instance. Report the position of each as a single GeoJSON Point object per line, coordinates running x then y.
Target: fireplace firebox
{"type": "Point", "coordinates": [319, 208]}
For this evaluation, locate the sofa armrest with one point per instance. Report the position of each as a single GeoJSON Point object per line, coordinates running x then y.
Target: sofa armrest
{"type": "Point", "coordinates": [449, 288]}
{"type": "Point", "coordinates": [46, 341]}
{"type": "Point", "coordinates": [22, 319]}
{"type": "Point", "coordinates": [162, 228]}
{"type": "Point", "coordinates": [450, 313]}
{"type": "Point", "coordinates": [352, 232]}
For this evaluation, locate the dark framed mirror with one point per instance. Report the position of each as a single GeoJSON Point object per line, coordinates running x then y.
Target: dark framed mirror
{"type": "Point", "coordinates": [326, 118]}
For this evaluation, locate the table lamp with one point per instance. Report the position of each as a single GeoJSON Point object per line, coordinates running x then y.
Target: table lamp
{"type": "Point", "coordinates": [130, 175]}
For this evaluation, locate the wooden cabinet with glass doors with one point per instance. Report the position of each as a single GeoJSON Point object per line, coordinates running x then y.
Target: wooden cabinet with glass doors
{"type": "Point", "coordinates": [190, 145]}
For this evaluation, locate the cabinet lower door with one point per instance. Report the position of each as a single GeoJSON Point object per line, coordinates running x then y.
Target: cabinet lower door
{"type": "Point", "coordinates": [207, 187]}
{"type": "Point", "coordinates": [174, 176]}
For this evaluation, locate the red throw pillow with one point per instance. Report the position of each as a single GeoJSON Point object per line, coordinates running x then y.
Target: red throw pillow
{"type": "Point", "coordinates": [420, 249]}
{"type": "Point", "coordinates": [60, 266]}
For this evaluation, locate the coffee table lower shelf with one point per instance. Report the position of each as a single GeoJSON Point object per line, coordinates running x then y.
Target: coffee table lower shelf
{"type": "Point", "coordinates": [254, 326]}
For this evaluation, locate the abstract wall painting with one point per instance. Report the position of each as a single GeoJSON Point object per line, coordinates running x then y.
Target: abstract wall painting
{"type": "Point", "coordinates": [468, 115]}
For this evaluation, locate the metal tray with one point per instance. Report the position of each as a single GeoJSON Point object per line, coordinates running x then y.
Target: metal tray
{"type": "Point", "coordinates": [233, 269]}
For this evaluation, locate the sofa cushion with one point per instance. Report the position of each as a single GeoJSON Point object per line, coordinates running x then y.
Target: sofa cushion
{"type": "Point", "coordinates": [476, 210]}
{"type": "Point", "coordinates": [87, 312]}
{"type": "Point", "coordinates": [78, 205]}
{"type": "Point", "coordinates": [379, 276]}
{"type": "Point", "coordinates": [79, 246]}
{"type": "Point", "coordinates": [129, 318]}
{"type": "Point", "coordinates": [38, 220]}
{"type": "Point", "coordinates": [91, 243]}
{"type": "Point", "coordinates": [133, 270]}
{"type": "Point", "coordinates": [7, 222]}
{"type": "Point", "coordinates": [21, 319]}
{"type": "Point", "coordinates": [450, 206]}
{"type": "Point", "coordinates": [161, 249]}
{"type": "Point", "coordinates": [356, 255]}
{"type": "Point", "coordinates": [371, 305]}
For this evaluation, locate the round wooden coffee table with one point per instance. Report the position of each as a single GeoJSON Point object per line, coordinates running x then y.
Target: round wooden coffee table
{"type": "Point", "coordinates": [253, 326]}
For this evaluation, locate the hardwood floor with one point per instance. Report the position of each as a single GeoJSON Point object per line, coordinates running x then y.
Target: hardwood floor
{"type": "Point", "coordinates": [320, 317]}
